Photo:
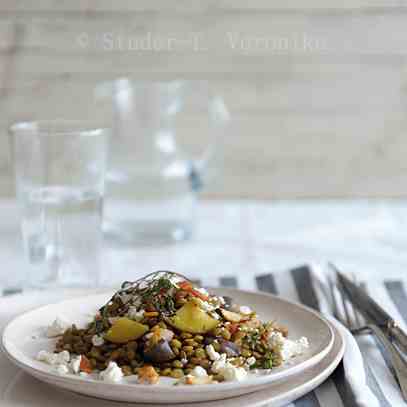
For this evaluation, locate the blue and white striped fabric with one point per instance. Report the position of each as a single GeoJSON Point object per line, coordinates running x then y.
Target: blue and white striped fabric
{"type": "Point", "coordinates": [299, 284]}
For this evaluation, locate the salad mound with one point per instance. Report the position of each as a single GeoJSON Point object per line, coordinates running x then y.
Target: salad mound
{"type": "Point", "coordinates": [164, 325]}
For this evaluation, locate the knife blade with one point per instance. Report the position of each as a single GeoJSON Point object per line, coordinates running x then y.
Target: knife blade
{"type": "Point", "coordinates": [372, 311]}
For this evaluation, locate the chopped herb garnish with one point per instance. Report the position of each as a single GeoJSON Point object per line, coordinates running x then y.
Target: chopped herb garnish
{"type": "Point", "coordinates": [155, 289]}
{"type": "Point", "coordinates": [268, 360]}
{"type": "Point", "coordinates": [252, 338]}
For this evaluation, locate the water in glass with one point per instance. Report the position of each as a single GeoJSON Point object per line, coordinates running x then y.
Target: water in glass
{"type": "Point", "coordinates": [61, 232]}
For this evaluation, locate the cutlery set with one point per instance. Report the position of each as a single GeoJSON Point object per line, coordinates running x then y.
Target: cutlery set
{"type": "Point", "coordinates": [363, 315]}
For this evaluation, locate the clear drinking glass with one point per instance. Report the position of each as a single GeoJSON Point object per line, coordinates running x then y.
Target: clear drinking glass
{"type": "Point", "coordinates": [60, 176]}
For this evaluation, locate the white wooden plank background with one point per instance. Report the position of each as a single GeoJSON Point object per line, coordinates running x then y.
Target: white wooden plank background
{"type": "Point", "coordinates": [327, 120]}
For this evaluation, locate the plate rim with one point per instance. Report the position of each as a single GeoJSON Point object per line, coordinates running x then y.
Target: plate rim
{"type": "Point", "coordinates": [257, 384]}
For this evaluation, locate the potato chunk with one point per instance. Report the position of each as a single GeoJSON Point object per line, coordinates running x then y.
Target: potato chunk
{"type": "Point", "coordinates": [193, 319]}
{"type": "Point", "coordinates": [125, 330]}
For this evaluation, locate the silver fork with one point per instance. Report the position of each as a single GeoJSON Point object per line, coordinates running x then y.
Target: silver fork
{"type": "Point", "coordinates": [355, 322]}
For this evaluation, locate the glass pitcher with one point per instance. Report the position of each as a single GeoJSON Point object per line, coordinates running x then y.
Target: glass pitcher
{"type": "Point", "coordinates": [154, 178]}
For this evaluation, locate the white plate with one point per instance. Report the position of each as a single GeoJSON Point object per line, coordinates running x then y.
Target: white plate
{"type": "Point", "coordinates": [20, 389]}
{"type": "Point", "coordinates": [23, 338]}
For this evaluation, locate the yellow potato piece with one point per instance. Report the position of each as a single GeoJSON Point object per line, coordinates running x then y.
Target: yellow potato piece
{"type": "Point", "coordinates": [125, 330]}
{"type": "Point", "coordinates": [193, 319]}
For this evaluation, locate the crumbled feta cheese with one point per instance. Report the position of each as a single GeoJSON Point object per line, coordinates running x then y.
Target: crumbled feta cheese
{"type": "Point", "coordinates": [134, 314]}
{"type": "Point", "coordinates": [203, 291]}
{"type": "Point", "coordinates": [198, 375]}
{"type": "Point", "coordinates": [288, 347]}
{"type": "Point", "coordinates": [291, 348]}
{"type": "Point", "coordinates": [97, 340]}
{"type": "Point", "coordinates": [233, 373]}
{"type": "Point", "coordinates": [229, 372]}
{"type": "Point", "coordinates": [63, 357]}
{"type": "Point", "coordinates": [62, 369]}
{"type": "Point", "coordinates": [112, 373]}
{"type": "Point", "coordinates": [251, 361]}
{"type": "Point", "coordinates": [54, 359]}
{"type": "Point", "coordinates": [217, 302]}
{"type": "Point", "coordinates": [198, 371]}
{"type": "Point", "coordinates": [212, 354]}
{"type": "Point", "coordinates": [205, 305]}
{"type": "Point", "coordinates": [220, 363]}
{"type": "Point", "coordinates": [276, 339]}
{"type": "Point", "coordinates": [57, 328]}
{"type": "Point", "coordinates": [44, 356]}
{"type": "Point", "coordinates": [245, 310]}
{"type": "Point", "coordinates": [75, 364]}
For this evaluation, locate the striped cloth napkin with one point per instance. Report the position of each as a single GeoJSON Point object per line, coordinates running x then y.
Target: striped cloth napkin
{"type": "Point", "coordinates": [345, 387]}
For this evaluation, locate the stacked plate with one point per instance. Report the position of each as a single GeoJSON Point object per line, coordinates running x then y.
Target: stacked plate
{"type": "Point", "coordinates": [24, 337]}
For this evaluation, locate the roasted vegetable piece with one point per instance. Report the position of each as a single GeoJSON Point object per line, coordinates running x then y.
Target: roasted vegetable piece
{"type": "Point", "coordinates": [191, 318]}
{"type": "Point", "coordinates": [159, 352]}
{"type": "Point", "coordinates": [230, 348]}
{"type": "Point", "coordinates": [125, 330]}
{"type": "Point", "coordinates": [198, 380]}
{"type": "Point", "coordinates": [209, 340]}
{"type": "Point", "coordinates": [232, 316]}
{"type": "Point", "coordinates": [147, 374]}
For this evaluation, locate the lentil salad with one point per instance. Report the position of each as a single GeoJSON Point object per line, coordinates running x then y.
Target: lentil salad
{"type": "Point", "coordinates": [164, 325]}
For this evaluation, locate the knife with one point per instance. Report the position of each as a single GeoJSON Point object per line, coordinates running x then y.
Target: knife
{"type": "Point", "coordinates": [372, 311]}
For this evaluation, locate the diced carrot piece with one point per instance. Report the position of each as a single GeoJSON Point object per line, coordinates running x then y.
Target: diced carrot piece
{"type": "Point", "coordinates": [232, 328]}
{"type": "Point", "coordinates": [200, 295]}
{"type": "Point", "coordinates": [185, 285]}
{"type": "Point", "coordinates": [85, 365]}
